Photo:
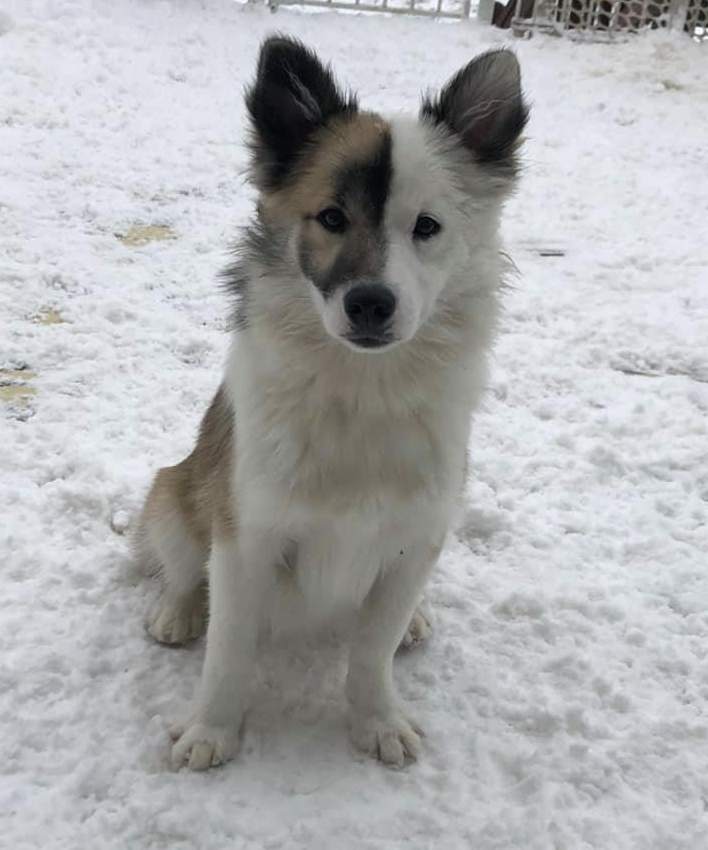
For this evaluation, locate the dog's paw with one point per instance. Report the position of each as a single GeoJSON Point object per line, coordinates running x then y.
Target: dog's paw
{"type": "Point", "coordinates": [200, 746]}
{"type": "Point", "coordinates": [176, 621]}
{"type": "Point", "coordinates": [418, 630]}
{"type": "Point", "coordinates": [390, 737]}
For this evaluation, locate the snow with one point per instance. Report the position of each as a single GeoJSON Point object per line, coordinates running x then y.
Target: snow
{"type": "Point", "coordinates": [564, 691]}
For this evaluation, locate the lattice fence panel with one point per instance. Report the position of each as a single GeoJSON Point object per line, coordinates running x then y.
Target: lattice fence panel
{"type": "Point", "coordinates": [608, 19]}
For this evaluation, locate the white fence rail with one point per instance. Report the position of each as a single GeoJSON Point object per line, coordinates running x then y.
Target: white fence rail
{"type": "Point", "coordinates": [426, 8]}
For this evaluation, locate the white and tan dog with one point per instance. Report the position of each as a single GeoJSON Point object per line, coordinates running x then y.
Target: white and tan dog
{"type": "Point", "coordinates": [330, 462]}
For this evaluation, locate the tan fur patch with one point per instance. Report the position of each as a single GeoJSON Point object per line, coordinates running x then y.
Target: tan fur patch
{"type": "Point", "coordinates": [199, 487]}
{"type": "Point", "coordinates": [310, 190]}
{"type": "Point", "coordinates": [344, 146]}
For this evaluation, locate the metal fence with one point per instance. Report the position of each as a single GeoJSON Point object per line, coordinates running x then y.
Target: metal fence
{"type": "Point", "coordinates": [426, 8]}
{"type": "Point", "coordinates": [596, 20]}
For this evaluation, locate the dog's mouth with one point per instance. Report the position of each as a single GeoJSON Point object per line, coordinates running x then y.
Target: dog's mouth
{"type": "Point", "coordinates": [369, 343]}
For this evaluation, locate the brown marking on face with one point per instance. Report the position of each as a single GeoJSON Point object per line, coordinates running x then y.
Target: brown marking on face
{"type": "Point", "coordinates": [309, 188]}
{"type": "Point", "coordinates": [347, 167]}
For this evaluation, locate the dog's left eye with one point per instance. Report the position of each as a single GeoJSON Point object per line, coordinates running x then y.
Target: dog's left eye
{"type": "Point", "coordinates": [425, 227]}
{"type": "Point", "coordinates": [333, 220]}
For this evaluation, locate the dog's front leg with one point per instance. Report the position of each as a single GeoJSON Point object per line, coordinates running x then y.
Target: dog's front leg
{"type": "Point", "coordinates": [378, 724]}
{"type": "Point", "coordinates": [240, 577]}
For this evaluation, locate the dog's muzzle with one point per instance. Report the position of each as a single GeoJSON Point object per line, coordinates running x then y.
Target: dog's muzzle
{"type": "Point", "coordinates": [370, 310]}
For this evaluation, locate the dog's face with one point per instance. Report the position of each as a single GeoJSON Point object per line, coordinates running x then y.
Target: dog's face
{"type": "Point", "coordinates": [378, 213]}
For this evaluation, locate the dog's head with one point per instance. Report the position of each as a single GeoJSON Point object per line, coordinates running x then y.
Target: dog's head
{"type": "Point", "coordinates": [381, 215]}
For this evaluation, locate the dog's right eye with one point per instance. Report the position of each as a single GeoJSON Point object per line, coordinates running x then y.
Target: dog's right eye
{"type": "Point", "coordinates": [333, 220]}
{"type": "Point", "coordinates": [425, 227]}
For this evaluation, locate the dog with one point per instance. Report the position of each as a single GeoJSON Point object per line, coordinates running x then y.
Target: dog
{"type": "Point", "coordinates": [333, 456]}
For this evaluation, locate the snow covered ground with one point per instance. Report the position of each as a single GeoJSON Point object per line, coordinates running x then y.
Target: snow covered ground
{"type": "Point", "coordinates": [565, 690]}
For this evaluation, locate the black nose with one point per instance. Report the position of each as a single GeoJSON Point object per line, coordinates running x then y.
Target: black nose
{"type": "Point", "coordinates": [368, 308]}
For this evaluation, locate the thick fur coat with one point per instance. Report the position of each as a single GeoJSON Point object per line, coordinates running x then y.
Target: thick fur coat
{"type": "Point", "coordinates": [331, 460]}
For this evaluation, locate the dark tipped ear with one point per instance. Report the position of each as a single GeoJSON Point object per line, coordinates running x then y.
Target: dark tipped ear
{"type": "Point", "coordinates": [484, 106]}
{"type": "Point", "coordinates": [293, 96]}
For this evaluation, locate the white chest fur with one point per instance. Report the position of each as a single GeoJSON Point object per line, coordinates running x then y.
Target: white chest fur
{"type": "Point", "coordinates": [348, 467]}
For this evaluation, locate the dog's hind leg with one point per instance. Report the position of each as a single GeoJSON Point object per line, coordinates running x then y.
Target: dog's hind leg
{"type": "Point", "coordinates": [175, 550]}
{"type": "Point", "coordinates": [419, 628]}
{"type": "Point", "coordinates": [174, 534]}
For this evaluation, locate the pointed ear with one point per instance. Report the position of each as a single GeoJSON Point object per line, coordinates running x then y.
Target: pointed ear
{"type": "Point", "coordinates": [293, 96]}
{"type": "Point", "coordinates": [484, 106]}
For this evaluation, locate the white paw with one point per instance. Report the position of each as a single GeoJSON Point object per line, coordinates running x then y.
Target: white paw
{"type": "Point", "coordinates": [418, 630]}
{"type": "Point", "coordinates": [175, 621]}
{"type": "Point", "coordinates": [391, 737]}
{"type": "Point", "coordinates": [200, 746]}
